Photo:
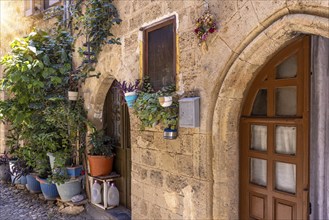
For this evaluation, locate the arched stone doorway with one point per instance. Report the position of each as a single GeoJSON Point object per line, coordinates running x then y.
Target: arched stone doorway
{"type": "Point", "coordinates": [231, 94]}
{"type": "Point", "coordinates": [106, 111]}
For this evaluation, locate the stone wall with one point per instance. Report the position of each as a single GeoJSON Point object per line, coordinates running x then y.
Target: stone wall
{"type": "Point", "coordinates": [196, 176]}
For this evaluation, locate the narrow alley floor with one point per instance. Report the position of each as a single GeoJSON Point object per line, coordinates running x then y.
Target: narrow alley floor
{"type": "Point", "coordinates": [20, 204]}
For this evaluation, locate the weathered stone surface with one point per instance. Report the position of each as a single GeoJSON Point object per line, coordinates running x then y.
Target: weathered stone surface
{"type": "Point", "coordinates": [25, 205]}
{"type": "Point", "coordinates": [167, 176]}
{"type": "Point", "coordinates": [72, 210]}
{"type": "Point", "coordinates": [156, 178]}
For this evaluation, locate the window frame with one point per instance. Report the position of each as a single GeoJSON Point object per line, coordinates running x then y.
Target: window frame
{"type": "Point", "coordinates": [46, 4]}
{"type": "Point", "coordinates": [30, 6]}
{"type": "Point", "coordinates": [155, 26]}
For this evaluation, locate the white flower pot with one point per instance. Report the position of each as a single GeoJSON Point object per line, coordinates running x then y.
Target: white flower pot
{"type": "Point", "coordinates": [73, 96]}
{"type": "Point", "coordinates": [130, 93]}
{"type": "Point", "coordinates": [165, 101]}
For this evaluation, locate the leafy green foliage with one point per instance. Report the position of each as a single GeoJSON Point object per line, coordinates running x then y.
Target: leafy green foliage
{"type": "Point", "coordinates": [97, 21]}
{"type": "Point", "coordinates": [102, 145]}
{"type": "Point", "coordinates": [150, 112]}
{"type": "Point", "coordinates": [37, 109]}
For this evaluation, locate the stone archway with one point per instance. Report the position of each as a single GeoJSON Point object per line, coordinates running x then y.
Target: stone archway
{"type": "Point", "coordinates": [231, 94]}
{"type": "Point", "coordinates": [97, 100]}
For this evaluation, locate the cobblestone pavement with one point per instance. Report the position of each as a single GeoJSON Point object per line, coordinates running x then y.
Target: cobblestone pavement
{"type": "Point", "coordinates": [20, 204]}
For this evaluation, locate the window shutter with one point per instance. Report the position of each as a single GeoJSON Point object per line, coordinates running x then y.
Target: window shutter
{"type": "Point", "coordinates": [160, 53]}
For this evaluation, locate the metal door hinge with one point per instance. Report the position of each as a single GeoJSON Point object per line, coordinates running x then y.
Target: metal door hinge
{"type": "Point", "coordinates": [310, 209]}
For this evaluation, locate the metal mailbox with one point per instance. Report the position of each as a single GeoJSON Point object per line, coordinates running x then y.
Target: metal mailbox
{"type": "Point", "coordinates": [189, 112]}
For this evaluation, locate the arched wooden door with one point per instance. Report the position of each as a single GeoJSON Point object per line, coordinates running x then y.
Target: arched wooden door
{"type": "Point", "coordinates": [117, 126]}
{"type": "Point", "coordinates": [274, 138]}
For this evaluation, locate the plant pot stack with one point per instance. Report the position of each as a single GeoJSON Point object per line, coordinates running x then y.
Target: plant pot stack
{"type": "Point", "coordinates": [72, 186]}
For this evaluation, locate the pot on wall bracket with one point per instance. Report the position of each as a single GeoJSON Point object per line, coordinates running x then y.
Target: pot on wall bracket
{"type": "Point", "coordinates": [165, 101]}
{"type": "Point", "coordinates": [130, 98]}
{"type": "Point", "coordinates": [73, 95]}
{"type": "Point", "coordinates": [170, 134]}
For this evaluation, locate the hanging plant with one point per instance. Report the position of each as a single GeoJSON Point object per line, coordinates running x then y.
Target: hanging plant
{"type": "Point", "coordinates": [205, 25]}
{"type": "Point", "coordinates": [96, 24]}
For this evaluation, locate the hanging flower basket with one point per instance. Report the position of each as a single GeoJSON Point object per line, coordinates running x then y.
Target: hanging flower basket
{"type": "Point", "coordinates": [205, 25]}
{"type": "Point", "coordinates": [165, 101]}
{"type": "Point", "coordinates": [130, 98]}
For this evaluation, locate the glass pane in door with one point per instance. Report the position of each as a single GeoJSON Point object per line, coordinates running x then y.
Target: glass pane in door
{"type": "Point", "coordinates": [285, 177]}
{"type": "Point", "coordinates": [286, 101]}
{"type": "Point", "coordinates": [285, 140]}
{"type": "Point", "coordinates": [287, 69]}
{"type": "Point", "coordinates": [260, 104]}
{"type": "Point", "coordinates": [258, 171]}
{"type": "Point", "coordinates": [258, 137]}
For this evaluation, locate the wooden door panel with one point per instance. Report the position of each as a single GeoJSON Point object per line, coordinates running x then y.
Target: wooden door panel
{"type": "Point", "coordinates": [284, 210]}
{"type": "Point", "coordinates": [274, 140]}
{"type": "Point", "coordinates": [257, 205]}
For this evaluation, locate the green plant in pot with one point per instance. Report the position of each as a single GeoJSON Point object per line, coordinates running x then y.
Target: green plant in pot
{"type": "Point", "coordinates": [166, 95]}
{"type": "Point", "coordinates": [100, 155]}
{"type": "Point", "coordinates": [150, 112]}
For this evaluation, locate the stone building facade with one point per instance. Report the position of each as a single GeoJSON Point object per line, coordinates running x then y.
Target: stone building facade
{"type": "Point", "coordinates": [196, 176]}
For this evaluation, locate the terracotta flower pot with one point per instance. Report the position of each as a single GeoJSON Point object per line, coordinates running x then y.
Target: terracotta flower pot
{"type": "Point", "coordinates": [100, 165]}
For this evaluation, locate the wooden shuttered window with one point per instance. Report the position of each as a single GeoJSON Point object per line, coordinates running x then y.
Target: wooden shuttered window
{"type": "Point", "coordinates": [160, 53]}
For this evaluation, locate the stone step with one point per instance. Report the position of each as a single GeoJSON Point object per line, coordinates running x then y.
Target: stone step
{"type": "Point", "coordinates": [117, 213]}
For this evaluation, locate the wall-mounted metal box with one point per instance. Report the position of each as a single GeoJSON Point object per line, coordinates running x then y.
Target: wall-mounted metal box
{"type": "Point", "coordinates": [189, 112]}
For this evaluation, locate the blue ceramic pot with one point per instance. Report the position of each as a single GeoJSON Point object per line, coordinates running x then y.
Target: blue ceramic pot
{"type": "Point", "coordinates": [20, 180]}
{"type": "Point", "coordinates": [69, 189]}
{"type": "Point", "coordinates": [74, 172]}
{"type": "Point", "coordinates": [32, 184]}
{"type": "Point", "coordinates": [49, 190]}
{"type": "Point", "coordinates": [130, 98]}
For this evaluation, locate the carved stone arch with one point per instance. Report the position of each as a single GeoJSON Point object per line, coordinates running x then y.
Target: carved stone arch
{"type": "Point", "coordinates": [97, 96]}
{"type": "Point", "coordinates": [231, 94]}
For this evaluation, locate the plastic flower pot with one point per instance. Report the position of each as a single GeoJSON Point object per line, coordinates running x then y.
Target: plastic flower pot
{"type": "Point", "coordinates": [49, 190]}
{"type": "Point", "coordinates": [73, 95]}
{"type": "Point", "coordinates": [130, 98]}
{"type": "Point", "coordinates": [52, 165]}
{"type": "Point", "coordinates": [74, 172]}
{"type": "Point", "coordinates": [69, 189]}
{"type": "Point", "coordinates": [165, 101]}
{"type": "Point", "coordinates": [100, 165]}
{"type": "Point", "coordinates": [51, 159]}
{"type": "Point", "coordinates": [32, 184]}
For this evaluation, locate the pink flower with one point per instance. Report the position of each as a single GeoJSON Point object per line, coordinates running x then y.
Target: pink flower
{"type": "Point", "coordinates": [212, 30]}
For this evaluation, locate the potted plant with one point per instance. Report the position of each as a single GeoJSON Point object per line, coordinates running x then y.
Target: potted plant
{"type": "Point", "coordinates": [73, 86]}
{"type": "Point", "coordinates": [166, 95]}
{"type": "Point", "coordinates": [150, 112]}
{"type": "Point", "coordinates": [100, 156]}
{"type": "Point", "coordinates": [4, 167]}
{"type": "Point", "coordinates": [48, 189]}
{"type": "Point", "coordinates": [129, 91]}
